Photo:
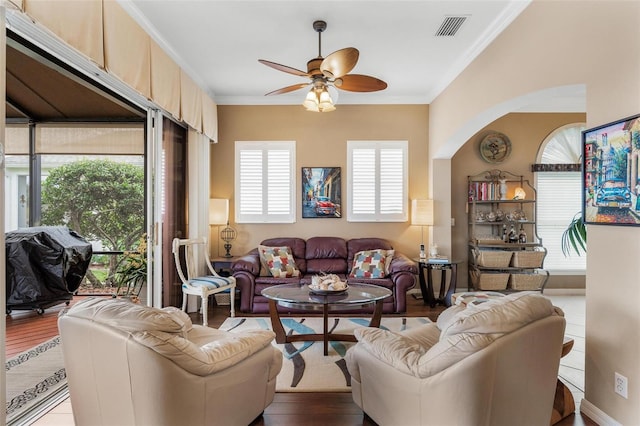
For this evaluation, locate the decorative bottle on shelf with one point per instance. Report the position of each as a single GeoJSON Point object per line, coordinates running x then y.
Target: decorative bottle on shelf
{"type": "Point", "coordinates": [522, 235]}
{"type": "Point", "coordinates": [513, 236]}
{"type": "Point", "coordinates": [504, 233]}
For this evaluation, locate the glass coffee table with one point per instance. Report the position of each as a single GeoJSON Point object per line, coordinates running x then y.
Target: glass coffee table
{"type": "Point", "coordinates": [301, 297]}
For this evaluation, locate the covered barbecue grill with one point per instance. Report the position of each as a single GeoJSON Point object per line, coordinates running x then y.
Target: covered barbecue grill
{"type": "Point", "coordinates": [45, 265]}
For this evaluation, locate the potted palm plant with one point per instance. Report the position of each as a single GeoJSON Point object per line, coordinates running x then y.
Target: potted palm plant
{"type": "Point", "coordinates": [132, 272]}
{"type": "Point", "coordinates": [574, 238]}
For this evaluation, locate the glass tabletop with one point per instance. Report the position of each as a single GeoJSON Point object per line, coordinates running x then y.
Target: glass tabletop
{"type": "Point", "coordinates": [301, 294]}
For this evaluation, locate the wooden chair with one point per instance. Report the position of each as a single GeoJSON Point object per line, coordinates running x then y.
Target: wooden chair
{"type": "Point", "coordinates": [195, 284]}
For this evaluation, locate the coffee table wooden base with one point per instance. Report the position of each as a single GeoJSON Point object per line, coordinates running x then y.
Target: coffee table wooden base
{"type": "Point", "coordinates": [325, 337]}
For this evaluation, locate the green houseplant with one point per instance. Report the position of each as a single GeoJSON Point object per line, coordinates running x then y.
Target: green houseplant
{"type": "Point", "coordinates": [574, 238]}
{"type": "Point", "coordinates": [132, 271]}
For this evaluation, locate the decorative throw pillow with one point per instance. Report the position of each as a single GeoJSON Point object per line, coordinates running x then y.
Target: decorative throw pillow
{"type": "Point", "coordinates": [387, 263]}
{"type": "Point", "coordinates": [264, 271]}
{"type": "Point", "coordinates": [279, 261]}
{"type": "Point", "coordinates": [369, 264]}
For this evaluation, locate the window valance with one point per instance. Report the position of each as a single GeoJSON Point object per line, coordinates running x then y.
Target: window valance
{"type": "Point", "coordinates": [105, 33]}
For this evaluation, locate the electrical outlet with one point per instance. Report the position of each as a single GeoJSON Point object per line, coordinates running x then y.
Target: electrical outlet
{"type": "Point", "coordinates": [620, 385]}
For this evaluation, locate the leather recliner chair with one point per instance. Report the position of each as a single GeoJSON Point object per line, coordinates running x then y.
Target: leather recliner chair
{"type": "Point", "coordinates": [129, 364]}
{"type": "Point", "coordinates": [492, 364]}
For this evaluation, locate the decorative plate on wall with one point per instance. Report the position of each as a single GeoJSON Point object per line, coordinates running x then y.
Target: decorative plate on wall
{"type": "Point", "coordinates": [495, 148]}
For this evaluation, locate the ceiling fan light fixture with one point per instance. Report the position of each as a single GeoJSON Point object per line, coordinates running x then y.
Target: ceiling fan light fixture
{"type": "Point", "coordinates": [311, 101]}
{"type": "Point", "coordinates": [319, 100]}
{"type": "Point", "coordinates": [326, 103]}
{"type": "Point", "coordinates": [327, 75]}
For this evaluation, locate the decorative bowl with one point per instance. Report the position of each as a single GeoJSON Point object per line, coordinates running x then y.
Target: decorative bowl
{"type": "Point", "coordinates": [327, 284]}
{"type": "Point", "coordinates": [322, 292]}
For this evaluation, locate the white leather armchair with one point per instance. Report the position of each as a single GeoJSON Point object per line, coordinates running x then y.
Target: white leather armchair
{"type": "Point", "coordinates": [129, 364]}
{"type": "Point", "coordinates": [487, 365]}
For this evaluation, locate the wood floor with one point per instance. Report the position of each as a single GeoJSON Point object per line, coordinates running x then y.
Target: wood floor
{"type": "Point", "coordinates": [27, 329]}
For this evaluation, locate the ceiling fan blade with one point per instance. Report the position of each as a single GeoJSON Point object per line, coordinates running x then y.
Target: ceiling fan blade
{"type": "Point", "coordinates": [360, 83]}
{"type": "Point", "coordinates": [284, 68]}
{"type": "Point", "coordinates": [340, 62]}
{"type": "Point", "coordinates": [288, 89]}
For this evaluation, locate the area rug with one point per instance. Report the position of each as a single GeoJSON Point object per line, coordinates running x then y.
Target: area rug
{"type": "Point", "coordinates": [34, 378]}
{"type": "Point", "coordinates": [305, 368]}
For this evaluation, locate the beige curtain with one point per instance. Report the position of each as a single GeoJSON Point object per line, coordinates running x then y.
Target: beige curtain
{"type": "Point", "coordinates": [209, 118]}
{"type": "Point", "coordinates": [190, 102]}
{"type": "Point", "coordinates": [104, 32]}
{"type": "Point", "coordinates": [127, 48]}
{"type": "Point", "coordinates": [78, 23]}
{"type": "Point", "coordinates": [165, 81]}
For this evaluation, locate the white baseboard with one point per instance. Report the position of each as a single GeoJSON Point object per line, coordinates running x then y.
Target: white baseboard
{"type": "Point", "coordinates": [596, 414]}
{"type": "Point", "coordinates": [564, 291]}
{"type": "Point", "coordinates": [547, 291]}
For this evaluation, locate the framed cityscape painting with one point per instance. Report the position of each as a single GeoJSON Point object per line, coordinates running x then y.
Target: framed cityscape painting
{"type": "Point", "coordinates": [321, 192]}
{"type": "Point", "coordinates": [611, 173]}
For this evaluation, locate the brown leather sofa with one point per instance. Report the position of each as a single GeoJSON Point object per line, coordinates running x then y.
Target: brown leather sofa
{"type": "Point", "coordinates": [331, 255]}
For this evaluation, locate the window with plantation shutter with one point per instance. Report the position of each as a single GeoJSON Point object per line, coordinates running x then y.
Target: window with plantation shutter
{"type": "Point", "coordinates": [377, 181]}
{"type": "Point", "coordinates": [265, 183]}
{"type": "Point", "coordinates": [559, 196]}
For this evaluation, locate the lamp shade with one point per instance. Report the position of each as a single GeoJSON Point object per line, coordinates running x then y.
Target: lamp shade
{"type": "Point", "coordinates": [520, 194]}
{"type": "Point", "coordinates": [218, 211]}
{"type": "Point", "coordinates": [422, 212]}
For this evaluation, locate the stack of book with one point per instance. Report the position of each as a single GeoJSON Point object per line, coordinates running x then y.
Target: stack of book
{"type": "Point", "coordinates": [438, 259]}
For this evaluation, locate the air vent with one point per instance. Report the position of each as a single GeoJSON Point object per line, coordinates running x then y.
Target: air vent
{"type": "Point", "coordinates": [450, 26]}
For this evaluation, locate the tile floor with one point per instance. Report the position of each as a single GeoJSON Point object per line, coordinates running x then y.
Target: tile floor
{"type": "Point", "coordinates": [571, 366]}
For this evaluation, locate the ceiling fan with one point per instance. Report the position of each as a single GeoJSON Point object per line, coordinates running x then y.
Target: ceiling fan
{"type": "Point", "coordinates": [325, 72]}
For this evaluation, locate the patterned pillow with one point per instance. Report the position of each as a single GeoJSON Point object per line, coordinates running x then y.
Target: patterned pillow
{"type": "Point", "coordinates": [279, 261]}
{"type": "Point", "coordinates": [369, 264]}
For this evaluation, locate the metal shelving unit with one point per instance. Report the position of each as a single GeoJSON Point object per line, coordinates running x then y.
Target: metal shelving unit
{"type": "Point", "coordinates": [498, 202]}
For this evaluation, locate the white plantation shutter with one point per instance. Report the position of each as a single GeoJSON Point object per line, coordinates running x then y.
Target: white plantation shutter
{"type": "Point", "coordinates": [391, 181]}
{"type": "Point", "coordinates": [250, 182]}
{"type": "Point", "coordinates": [377, 184]}
{"type": "Point", "coordinates": [279, 179]}
{"type": "Point", "coordinates": [363, 181]}
{"type": "Point", "coordinates": [265, 182]}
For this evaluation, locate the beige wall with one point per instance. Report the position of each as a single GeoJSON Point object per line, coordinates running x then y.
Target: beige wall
{"type": "Point", "coordinates": [321, 141]}
{"type": "Point", "coordinates": [526, 131]}
{"type": "Point", "coordinates": [550, 45]}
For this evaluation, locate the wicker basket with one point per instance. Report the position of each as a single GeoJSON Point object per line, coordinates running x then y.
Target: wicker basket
{"type": "Point", "coordinates": [223, 299]}
{"type": "Point", "coordinates": [493, 258]}
{"type": "Point", "coordinates": [526, 281]}
{"type": "Point", "coordinates": [528, 259]}
{"type": "Point", "coordinates": [489, 281]}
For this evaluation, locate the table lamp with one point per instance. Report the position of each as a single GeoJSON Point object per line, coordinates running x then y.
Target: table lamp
{"type": "Point", "coordinates": [520, 194]}
{"type": "Point", "coordinates": [422, 215]}
{"type": "Point", "coordinates": [218, 215]}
